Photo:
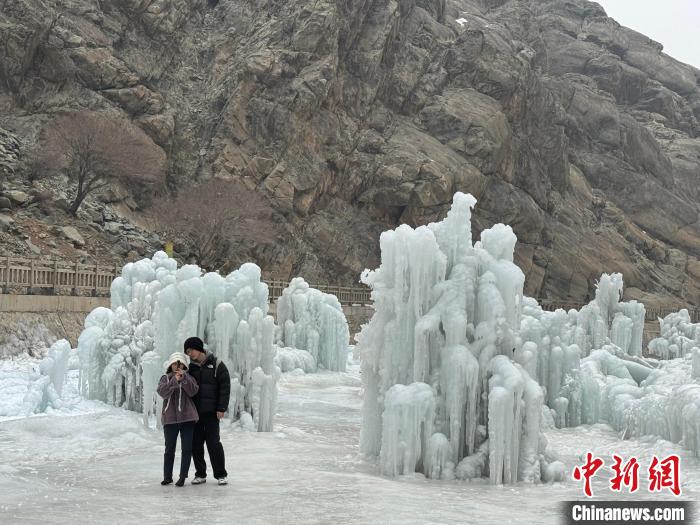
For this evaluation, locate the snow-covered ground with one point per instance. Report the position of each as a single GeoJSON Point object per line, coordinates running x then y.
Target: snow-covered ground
{"type": "Point", "coordinates": [92, 463]}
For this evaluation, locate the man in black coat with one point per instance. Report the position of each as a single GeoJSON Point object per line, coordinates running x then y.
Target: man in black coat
{"type": "Point", "coordinates": [212, 402]}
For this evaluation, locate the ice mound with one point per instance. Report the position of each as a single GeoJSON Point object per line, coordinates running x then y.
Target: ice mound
{"type": "Point", "coordinates": [636, 396]}
{"type": "Point", "coordinates": [604, 320]}
{"type": "Point", "coordinates": [313, 321]}
{"type": "Point", "coordinates": [552, 344]}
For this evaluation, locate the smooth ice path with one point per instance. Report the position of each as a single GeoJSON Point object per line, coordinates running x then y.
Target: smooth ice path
{"type": "Point", "coordinates": [104, 467]}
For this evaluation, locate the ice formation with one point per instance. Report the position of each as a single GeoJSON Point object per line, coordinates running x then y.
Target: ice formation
{"type": "Point", "coordinates": [289, 359]}
{"type": "Point", "coordinates": [314, 321]}
{"type": "Point", "coordinates": [443, 394]}
{"type": "Point", "coordinates": [636, 400]}
{"type": "Point", "coordinates": [551, 345]}
{"type": "Point", "coordinates": [678, 336]}
{"type": "Point", "coordinates": [604, 320]}
{"type": "Point", "coordinates": [33, 391]}
{"type": "Point", "coordinates": [154, 307]}
{"type": "Point", "coordinates": [590, 363]}
{"type": "Point", "coordinates": [638, 396]}
{"type": "Point", "coordinates": [408, 426]}
{"type": "Point", "coordinates": [457, 365]}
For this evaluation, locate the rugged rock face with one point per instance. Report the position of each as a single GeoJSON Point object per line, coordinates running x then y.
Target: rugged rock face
{"type": "Point", "coordinates": [33, 333]}
{"type": "Point", "coordinates": [355, 115]}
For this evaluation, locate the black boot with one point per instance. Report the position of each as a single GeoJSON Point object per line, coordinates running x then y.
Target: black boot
{"type": "Point", "coordinates": [180, 482]}
{"type": "Point", "coordinates": [166, 482]}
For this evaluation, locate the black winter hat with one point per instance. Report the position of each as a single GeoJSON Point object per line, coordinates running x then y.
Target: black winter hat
{"type": "Point", "coordinates": [195, 343]}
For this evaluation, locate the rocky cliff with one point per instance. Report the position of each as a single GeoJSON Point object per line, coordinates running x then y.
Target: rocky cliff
{"type": "Point", "coordinates": [356, 115]}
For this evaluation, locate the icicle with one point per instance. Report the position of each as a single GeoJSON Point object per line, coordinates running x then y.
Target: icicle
{"type": "Point", "coordinates": [407, 425]}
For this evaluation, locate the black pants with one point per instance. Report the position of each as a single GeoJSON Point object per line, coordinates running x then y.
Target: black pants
{"type": "Point", "coordinates": [186, 431]}
{"type": "Point", "coordinates": [207, 430]}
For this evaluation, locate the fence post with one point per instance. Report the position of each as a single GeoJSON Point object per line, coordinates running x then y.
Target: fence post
{"type": "Point", "coordinates": [94, 289]}
{"type": "Point", "coordinates": [55, 279]}
{"type": "Point", "coordinates": [32, 276]}
{"type": "Point", "coordinates": [75, 280]}
{"type": "Point", "coordinates": [7, 274]}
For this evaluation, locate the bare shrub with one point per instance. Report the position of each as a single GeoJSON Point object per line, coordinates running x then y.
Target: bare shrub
{"type": "Point", "coordinates": [215, 220]}
{"type": "Point", "coordinates": [36, 165]}
{"type": "Point", "coordinates": [94, 149]}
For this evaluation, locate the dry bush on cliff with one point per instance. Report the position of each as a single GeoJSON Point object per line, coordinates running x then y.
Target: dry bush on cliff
{"type": "Point", "coordinates": [215, 221]}
{"type": "Point", "coordinates": [94, 149]}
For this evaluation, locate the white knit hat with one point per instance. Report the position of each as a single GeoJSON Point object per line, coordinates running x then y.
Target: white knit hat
{"type": "Point", "coordinates": [174, 358]}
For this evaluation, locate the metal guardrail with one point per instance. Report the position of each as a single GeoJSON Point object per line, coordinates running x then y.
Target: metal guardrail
{"type": "Point", "coordinates": [46, 276]}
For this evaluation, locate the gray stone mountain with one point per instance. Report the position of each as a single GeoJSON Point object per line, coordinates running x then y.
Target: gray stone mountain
{"type": "Point", "coordinates": [356, 115]}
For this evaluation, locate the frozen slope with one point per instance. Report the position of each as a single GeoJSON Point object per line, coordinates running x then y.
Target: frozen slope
{"type": "Point", "coordinates": [104, 466]}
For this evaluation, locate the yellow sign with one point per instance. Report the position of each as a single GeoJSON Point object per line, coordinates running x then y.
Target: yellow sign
{"type": "Point", "coordinates": [169, 248]}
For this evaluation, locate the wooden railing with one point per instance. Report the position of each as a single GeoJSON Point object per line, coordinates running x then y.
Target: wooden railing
{"type": "Point", "coordinates": [549, 305]}
{"type": "Point", "coordinates": [651, 313]}
{"type": "Point", "coordinates": [345, 294]}
{"type": "Point", "coordinates": [46, 276]}
{"type": "Point", "coordinates": [49, 277]}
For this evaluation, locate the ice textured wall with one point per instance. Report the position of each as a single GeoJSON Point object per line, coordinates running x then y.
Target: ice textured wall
{"type": "Point", "coordinates": [314, 321]}
{"type": "Point", "coordinates": [155, 306]}
{"type": "Point", "coordinates": [443, 393]}
{"type": "Point", "coordinates": [289, 359]}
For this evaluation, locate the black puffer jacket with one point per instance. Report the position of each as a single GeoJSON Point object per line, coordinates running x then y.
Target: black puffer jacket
{"type": "Point", "coordinates": [214, 385]}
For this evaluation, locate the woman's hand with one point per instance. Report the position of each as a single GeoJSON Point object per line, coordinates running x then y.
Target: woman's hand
{"type": "Point", "coordinates": [179, 374]}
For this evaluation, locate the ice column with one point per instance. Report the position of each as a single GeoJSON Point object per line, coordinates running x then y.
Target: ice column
{"type": "Point", "coordinates": [442, 391]}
